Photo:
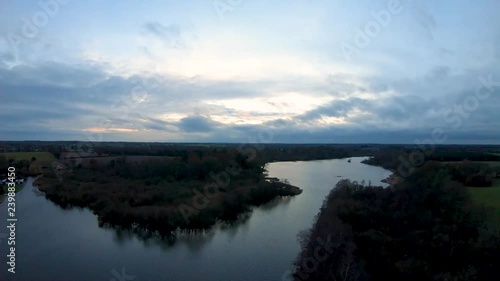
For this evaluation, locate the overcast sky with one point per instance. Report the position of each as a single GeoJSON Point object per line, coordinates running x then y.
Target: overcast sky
{"type": "Point", "coordinates": [380, 71]}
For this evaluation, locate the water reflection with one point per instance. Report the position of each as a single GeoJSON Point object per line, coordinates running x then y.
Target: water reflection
{"type": "Point", "coordinates": [193, 239]}
{"type": "Point", "coordinates": [277, 201]}
{"type": "Point", "coordinates": [259, 245]}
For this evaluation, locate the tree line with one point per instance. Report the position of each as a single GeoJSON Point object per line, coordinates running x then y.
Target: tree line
{"type": "Point", "coordinates": [425, 228]}
{"type": "Point", "coordinates": [149, 193]}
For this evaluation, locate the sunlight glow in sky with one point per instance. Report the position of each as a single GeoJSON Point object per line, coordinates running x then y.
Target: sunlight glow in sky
{"type": "Point", "coordinates": [312, 71]}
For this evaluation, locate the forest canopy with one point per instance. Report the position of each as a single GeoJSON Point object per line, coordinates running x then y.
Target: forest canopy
{"type": "Point", "coordinates": [425, 228]}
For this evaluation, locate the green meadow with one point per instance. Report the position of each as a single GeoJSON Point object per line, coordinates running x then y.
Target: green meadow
{"type": "Point", "coordinates": [488, 196]}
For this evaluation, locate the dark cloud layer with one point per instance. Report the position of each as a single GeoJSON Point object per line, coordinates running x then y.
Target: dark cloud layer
{"type": "Point", "coordinates": [197, 124]}
{"type": "Point", "coordinates": [52, 101]}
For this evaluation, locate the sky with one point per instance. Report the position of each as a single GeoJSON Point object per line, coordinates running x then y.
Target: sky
{"type": "Point", "coordinates": [383, 71]}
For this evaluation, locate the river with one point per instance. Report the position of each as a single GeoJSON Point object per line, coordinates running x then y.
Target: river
{"type": "Point", "coordinates": [57, 244]}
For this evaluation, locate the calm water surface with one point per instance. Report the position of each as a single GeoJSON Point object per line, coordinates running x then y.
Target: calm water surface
{"type": "Point", "coordinates": [57, 244]}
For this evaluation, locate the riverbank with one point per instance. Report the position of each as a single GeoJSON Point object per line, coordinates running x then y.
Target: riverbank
{"type": "Point", "coordinates": [393, 179]}
{"type": "Point", "coordinates": [368, 229]}
{"type": "Point", "coordinates": [260, 245]}
{"type": "Point", "coordinates": [163, 206]}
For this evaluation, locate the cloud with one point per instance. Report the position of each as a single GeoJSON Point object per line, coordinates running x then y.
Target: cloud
{"type": "Point", "coordinates": [160, 30]}
{"type": "Point", "coordinates": [197, 124]}
{"type": "Point", "coordinates": [337, 108]}
{"type": "Point", "coordinates": [424, 18]}
{"type": "Point", "coordinates": [67, 100]}
{"type": "Point", "coordinates": [170, 34]}
{"type": "Point", "coordinates": [496, 47]}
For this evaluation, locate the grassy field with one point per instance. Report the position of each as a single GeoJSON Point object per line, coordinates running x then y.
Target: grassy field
{"type": "Point", "coordinates": [488, 196]}
{"type": "Point", "coordinates": [40, 156]}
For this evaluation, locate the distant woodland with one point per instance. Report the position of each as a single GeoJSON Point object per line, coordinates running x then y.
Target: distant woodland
{"type": "Point", "coordinates": [426, 226]}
